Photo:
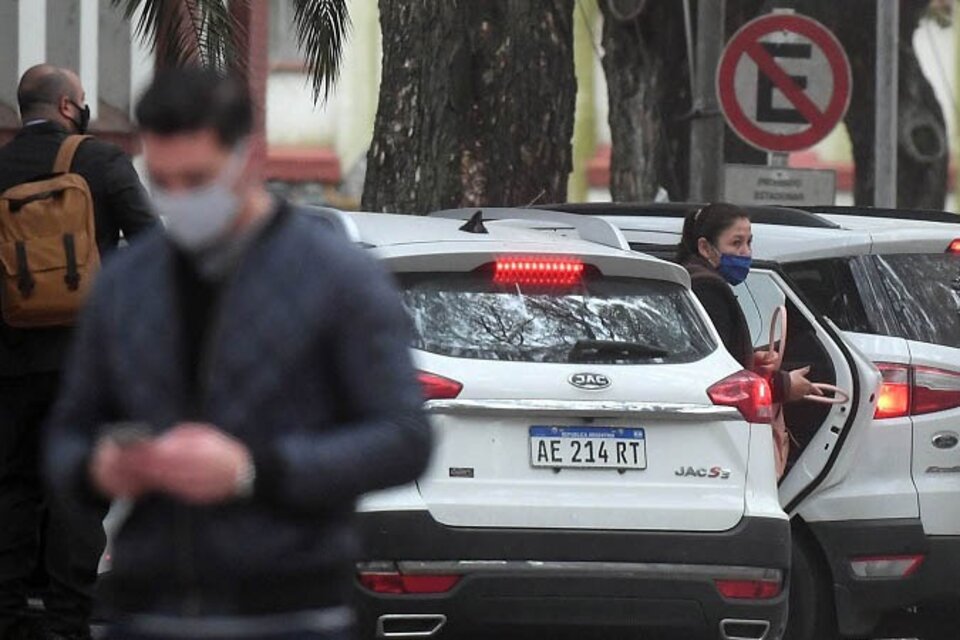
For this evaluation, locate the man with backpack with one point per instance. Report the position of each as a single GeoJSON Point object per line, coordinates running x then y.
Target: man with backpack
{"type": "Point", "coordinates": [64, 201]}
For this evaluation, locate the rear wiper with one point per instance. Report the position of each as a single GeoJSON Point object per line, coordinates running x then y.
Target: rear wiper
{"type": "Point", "coordinates": [606, 350]}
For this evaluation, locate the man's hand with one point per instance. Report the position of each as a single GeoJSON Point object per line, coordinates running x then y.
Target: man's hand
{"type": "Point", "coordinates": [118, 472]}
{"type": "Point", "coordinates": [197, 463]}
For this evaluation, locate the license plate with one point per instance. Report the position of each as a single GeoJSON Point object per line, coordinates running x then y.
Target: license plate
{"type": "Point", "coordinates": [588, 447]}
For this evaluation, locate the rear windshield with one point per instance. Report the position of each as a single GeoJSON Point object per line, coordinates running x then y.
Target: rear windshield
{"type": "Point", "coordinates": [601, 320]}
{"type": "Point", "coordinates": [925, 292]}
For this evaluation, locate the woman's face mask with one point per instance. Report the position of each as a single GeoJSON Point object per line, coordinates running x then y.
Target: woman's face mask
{"type": "Point", "coordinates": [199, 218]}
{"type": "Point", "coordinates": [734, 269]}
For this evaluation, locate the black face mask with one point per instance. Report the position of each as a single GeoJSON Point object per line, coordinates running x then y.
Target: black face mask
{"type": "Point", "coordinates": [84, 117]}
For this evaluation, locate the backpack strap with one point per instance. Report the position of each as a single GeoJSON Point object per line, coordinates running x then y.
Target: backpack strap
{"type": "Point", "coordinates": [67, 150]}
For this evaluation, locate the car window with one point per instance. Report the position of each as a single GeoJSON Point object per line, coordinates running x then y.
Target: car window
{"type": "Point", "coordinates": [925, 290]}
{"type": "Point", "coordinates": [600, 319]}
{"type": "Point", "coordinates": [758, 297]}
{"type": "Point", "coordinates": [831, 290]}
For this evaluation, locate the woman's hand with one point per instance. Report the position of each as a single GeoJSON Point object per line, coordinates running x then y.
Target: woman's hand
{"type": "Point", "coordinates": [800, 386]}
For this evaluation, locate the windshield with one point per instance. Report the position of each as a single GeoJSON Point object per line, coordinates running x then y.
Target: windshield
{"type": "Point", "coordinates": [925, 290]}
{"type": "Point", "coordinates": [609, 320]}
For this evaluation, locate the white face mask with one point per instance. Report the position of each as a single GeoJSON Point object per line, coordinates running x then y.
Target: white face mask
{"type": "Point", "coordinates": [198, 218]}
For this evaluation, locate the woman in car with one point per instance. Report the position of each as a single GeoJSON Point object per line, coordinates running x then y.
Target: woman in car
{"type": "Point", "coordinates": [715, 248]}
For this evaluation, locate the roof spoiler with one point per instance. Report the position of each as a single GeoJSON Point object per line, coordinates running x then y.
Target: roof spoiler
{"type": "Point", "coordinates": [590, 229]}
{"type": "Point", "coordinates": [927, 215]}
{"type": "Point", "coordinates": [788, 216]}
{"type": "Point", "coordinates": [337, 220]}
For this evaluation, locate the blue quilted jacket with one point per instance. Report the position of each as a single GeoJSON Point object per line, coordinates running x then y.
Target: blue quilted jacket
{"type": "Point", "coordinates": [308, 364]}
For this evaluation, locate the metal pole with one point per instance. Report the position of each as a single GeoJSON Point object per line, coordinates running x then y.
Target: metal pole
{"type": "Point", "coordinates": [706, 130]}
{"type": "Point", "coordinates": [885, 132]}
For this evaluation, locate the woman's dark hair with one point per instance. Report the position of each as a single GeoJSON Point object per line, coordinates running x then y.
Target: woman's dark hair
{"type": "Point", "coordinates": [708, 222]}
{"type": "Point", "coordinates": [191, 99]}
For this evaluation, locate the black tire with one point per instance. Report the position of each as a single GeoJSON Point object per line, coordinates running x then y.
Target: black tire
{"type": "Point", "coordinates": [812, 615]}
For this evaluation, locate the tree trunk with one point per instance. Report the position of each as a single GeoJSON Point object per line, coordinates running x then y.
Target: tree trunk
{"type": "Point", "coordinates": [648, 86]}
{"type": "Point", "coordinates": [476, 105]}
{"type": "Point", "coordinates": [922, 148]}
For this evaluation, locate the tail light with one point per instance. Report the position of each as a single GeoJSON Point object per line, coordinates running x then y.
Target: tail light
{"type": "Point", "coordinates": [538, 271]}
{"type": "Point", "coordinates": [394, 582]}
{"type": "Point", "coordinates": [934, 390]}
{"type": "Point", "coordinates": [893, 401]}
{"type": "Point", "coordinates": [749, 589]}
{"type": "Point", "coordinates": [437, 387]}
{"type": "Point", "coordinates": [886, 566]}
{"type": "Point", "coordinates": [746, 391]}
{"type": "Point", "coordinates": [911, 391]}
{"type": "Point", "coordinates": [954, 246]}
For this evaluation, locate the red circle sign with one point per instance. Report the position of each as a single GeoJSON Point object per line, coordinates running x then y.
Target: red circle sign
{"type": "Point", "coordinates": [783, 82]}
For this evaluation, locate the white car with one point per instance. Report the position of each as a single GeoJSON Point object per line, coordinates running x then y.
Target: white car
{"type": "Point", "coordinates": [602, 465]}
{"type": "Point", "coordinates": [882, 531]}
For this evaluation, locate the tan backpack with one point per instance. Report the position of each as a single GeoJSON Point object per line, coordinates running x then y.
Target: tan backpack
{"type": "Point", "coordinates": [48, 246]}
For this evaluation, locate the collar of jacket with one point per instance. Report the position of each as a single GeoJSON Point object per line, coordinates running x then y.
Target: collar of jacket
{"type": "Point", "coordinates": [41, 128]}
{"type": "Point", "coordinates": [279, 212]}
{"type": "Point", "coordinates": [699, 267]}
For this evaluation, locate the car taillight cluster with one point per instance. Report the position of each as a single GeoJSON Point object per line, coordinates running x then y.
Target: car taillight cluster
{"type": "Point", "coordinates": [911, 391]}
{"type": "Point", "coordinates": [437, 387]}
{"type": "Point", "coordinates": [886, 566]}
{"type": "Point", "coordinates": [746, 391]}
{"type": "Point", "coordinates": [954, 246]}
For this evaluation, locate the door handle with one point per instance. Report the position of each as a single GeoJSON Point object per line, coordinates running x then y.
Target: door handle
{"type": "Point", "coordinates": [945, 440]}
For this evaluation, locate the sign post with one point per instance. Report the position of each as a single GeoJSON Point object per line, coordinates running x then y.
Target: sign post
{"type": "Point", "coordinates": [783, 83]}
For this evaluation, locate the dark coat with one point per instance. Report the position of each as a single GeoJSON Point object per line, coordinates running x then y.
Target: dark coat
{"type": "Point", "coordinates": [717, 297]}
{"type": "Point", "coordinates": [720, 302]}
{"type": "Point", "coordinates": [307, 363]}
{"type": "Point", "coordinates": [120, 204]}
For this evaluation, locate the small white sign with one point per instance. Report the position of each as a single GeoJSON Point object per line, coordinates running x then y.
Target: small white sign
{"type": "Point", "coordinates": [751, 184]}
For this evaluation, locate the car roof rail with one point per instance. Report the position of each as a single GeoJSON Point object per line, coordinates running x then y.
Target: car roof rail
{"type": "Point", "coordinates": [590, 229]}
{"type": "Point", "coordinates": [928, 215]}
{"type": "Point", "coordinates": [337, 220]}
{"type": "Point", "coordinates": [787, 216]}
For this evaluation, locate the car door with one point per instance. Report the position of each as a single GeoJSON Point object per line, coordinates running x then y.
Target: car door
{"type": "Point", "coordinates": [825, 437]}
{"type": "Point", "coordinates": [923, 289]}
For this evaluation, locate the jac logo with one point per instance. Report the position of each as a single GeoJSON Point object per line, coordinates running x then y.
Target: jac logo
{"type": "Point", "coordinates": [589, 381]}
{"type": "Point", "coordinates": [718, 473]}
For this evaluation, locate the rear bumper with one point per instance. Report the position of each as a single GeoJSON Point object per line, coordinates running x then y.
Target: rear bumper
{"type": "Point", "coordinates": [863, 603]}
{"type": "Point", "coordinates": [574, 583]}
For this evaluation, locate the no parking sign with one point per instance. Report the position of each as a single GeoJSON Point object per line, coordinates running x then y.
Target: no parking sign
{"type": "Point", "coordinates": [783, 82]}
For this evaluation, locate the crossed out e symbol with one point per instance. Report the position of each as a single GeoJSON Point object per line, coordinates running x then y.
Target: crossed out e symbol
{"type": "Point", "coordinates": [766, 112]}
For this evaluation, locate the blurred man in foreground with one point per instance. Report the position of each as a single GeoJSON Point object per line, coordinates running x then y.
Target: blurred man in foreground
{"type": "Point", "coordinates": [243, 377]}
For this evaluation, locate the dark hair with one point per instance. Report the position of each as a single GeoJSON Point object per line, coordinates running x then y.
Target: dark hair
{"type": "Point", "coordinates": [41, 86]}
{"type": "Point", "coordinates": [708, 222]}
{"type": "Point", "coordinates": [192, 99]}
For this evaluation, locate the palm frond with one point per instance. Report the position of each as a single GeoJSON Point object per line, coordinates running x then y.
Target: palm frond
{"type": "Point", "coordinates": [322, 27]}
{"type": "Point", "coordinates": [186, 32]}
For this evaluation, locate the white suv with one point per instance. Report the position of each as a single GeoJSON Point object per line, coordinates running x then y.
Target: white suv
{"type": "Point", "coordinates": [882, 534]}
{"type": "Point", "coordinates": [602, 464]}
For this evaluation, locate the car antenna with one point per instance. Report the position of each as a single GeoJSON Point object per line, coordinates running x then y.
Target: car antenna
{"type": "Point", "coordinates": [542, 193]}
{"type": "Point", "coordinates": [475, 223]}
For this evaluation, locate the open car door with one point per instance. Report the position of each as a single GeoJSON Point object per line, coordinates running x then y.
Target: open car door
{"type": "Point", "coordinates": [824, 437]}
